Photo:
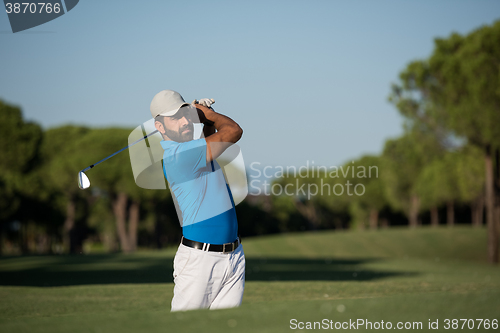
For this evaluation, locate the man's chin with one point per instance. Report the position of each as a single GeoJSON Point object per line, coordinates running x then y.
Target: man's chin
{"type": "Point", "coordinates": [187, 136]}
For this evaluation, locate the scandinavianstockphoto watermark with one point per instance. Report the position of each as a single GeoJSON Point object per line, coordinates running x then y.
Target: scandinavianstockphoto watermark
{"type": "Point", "coordinates": [310, 180]}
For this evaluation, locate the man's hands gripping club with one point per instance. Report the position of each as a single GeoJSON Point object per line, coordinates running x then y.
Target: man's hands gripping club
{"type": "Point", "coordinates": [220, 131]}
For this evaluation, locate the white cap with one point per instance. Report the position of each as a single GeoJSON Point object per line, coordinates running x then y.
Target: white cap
{"type": "Point", "coordinates": [166, 103]}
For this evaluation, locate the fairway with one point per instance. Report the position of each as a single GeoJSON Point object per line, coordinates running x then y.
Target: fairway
{"type": "Point", "coordinates": [394, 275]}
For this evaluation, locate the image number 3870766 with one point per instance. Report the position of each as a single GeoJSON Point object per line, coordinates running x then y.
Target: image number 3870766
{"type": "Point", "coordinates": [26, 15]}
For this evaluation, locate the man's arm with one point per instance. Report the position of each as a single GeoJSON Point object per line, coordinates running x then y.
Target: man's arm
{"type": "Point", "coordinates": [228, 131]}
{"type": "Point", "coordinates": [208, 129]}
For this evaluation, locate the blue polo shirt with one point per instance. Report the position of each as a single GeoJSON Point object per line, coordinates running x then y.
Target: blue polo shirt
{"type": "Point", "coordinates": [202, 198]}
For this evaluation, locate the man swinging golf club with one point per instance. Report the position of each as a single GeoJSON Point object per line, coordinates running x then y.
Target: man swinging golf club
{"type": "Point", "coordinates": [209, 266]}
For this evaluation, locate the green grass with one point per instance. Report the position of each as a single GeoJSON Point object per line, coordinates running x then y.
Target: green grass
{"type": "Point", "coordinates": [391, 275]}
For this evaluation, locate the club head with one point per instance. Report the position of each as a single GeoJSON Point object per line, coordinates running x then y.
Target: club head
{"type": "Point", "coordinates": [83, 180]}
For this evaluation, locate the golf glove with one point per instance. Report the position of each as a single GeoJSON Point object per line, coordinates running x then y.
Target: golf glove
{"type": "Point", "coordinates": [206, 102]}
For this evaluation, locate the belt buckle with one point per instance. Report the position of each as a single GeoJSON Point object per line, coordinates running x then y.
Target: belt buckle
{"type": "Point", "coordinates": [224, 247]}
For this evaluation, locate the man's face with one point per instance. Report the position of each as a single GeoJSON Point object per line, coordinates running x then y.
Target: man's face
{"type": "Point", "coordinates": [179, 127]}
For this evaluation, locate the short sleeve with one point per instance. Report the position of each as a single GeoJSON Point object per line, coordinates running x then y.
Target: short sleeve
{"type": "Point", "coordinates": [186, 160]}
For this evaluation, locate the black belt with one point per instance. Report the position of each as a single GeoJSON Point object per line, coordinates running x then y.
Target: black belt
{"type": "Point", "coordinates": [225, 248]}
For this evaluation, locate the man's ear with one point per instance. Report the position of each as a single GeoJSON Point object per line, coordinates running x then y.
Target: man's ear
{"type": "Point", "coordinates": [159, 127]}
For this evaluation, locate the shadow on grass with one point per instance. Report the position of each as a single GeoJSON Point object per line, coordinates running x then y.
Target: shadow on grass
{"type": "Point", "coordinates": [53, 271]}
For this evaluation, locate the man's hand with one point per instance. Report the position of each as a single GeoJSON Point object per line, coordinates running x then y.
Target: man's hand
{"type": "Point", "coordinates": [203, 111]}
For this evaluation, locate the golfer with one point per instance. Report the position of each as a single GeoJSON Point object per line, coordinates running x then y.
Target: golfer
{"type": "Point", "coordinates": [209, 266]}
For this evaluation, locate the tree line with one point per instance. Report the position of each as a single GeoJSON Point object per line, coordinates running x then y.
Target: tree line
{"type": "Point", "coordinates": [448, 156]}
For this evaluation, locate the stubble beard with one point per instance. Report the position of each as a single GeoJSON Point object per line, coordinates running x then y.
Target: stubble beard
{"type": "Point", "coordinates": [178, 136]}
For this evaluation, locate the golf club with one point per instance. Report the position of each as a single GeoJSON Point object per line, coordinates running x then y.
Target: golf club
{"type": "Point", "coordinates": [83, 180]}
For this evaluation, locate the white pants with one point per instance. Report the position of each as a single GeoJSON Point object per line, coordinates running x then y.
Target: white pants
{"type": "Point", "coordinates": [204, 279]}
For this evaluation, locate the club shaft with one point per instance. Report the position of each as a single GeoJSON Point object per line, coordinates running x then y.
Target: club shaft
{"type": "Point", "coordinates": [119, 151]}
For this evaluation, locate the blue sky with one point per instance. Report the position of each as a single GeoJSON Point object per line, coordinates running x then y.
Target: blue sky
{"type": "Point", "coordinates": [306, 80]}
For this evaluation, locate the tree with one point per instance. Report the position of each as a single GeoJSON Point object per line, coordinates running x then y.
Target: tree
{"type": "Point", "coordinates": [437, 185]}
{"type": "Point", "coordinates": [60, 165]}
{"type": "Point", "coordinates": [19, 145]}
{"type": "Point", "coordinates": [413, 97]}
{"type": "Point", "coordinates": [427, 138]}
{"type": "Point", "coordinates": [308, 199]}
{"type": "Point", "coordinates": [403, 161]}
{"type": "Point", "coordinates": [467, 72]}
{"type": "Point", "coordinates": [367, 206]}
{"type": "Point", "coordinates": [470, 181]}
{"type": "Point", "coordinates": [290, 195]}
{"type": "Point", "coordinates": [115, 178]}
